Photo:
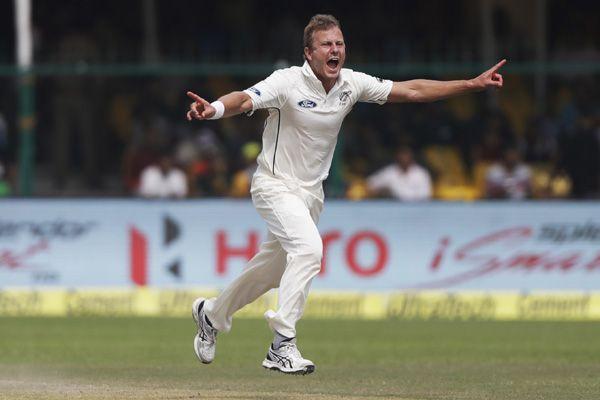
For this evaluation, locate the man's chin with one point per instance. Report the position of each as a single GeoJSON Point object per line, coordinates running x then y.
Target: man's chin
{"type": "Point", "coordinates": [332, 73]}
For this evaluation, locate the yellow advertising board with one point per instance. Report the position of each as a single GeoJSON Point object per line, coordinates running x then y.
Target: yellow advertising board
{"type": "Point", "coordinates": [422, 305]}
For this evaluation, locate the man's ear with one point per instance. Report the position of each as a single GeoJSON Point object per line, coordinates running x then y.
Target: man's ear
{"type": "Point", "coordinates": [307, 54]}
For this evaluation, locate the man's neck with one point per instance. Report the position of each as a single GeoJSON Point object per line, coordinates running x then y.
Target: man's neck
{"type": "Point", "coordinates": [328, 84]}
{"type": "Point", "coordinates": [404, 168]}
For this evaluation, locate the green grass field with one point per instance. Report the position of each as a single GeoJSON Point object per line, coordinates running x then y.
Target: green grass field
{"type": "Point", "coordinates": [152, 358]}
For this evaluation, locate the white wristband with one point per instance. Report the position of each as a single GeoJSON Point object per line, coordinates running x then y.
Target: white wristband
{"type": "Point", "coordinates": [220, 109]}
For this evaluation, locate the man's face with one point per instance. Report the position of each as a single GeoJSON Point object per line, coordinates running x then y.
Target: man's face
{"type": "Point", "coordinates": [404, 158]}
{"type": "Point", "coordinates": [327, 54]}
{"type": "Point", "coordinates": [165, 164]}
{"type": "Point", "coordinates": [511, 158]}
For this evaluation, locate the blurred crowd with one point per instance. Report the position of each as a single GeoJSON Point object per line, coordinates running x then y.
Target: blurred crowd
{"type": "Point", "coordinates": [487, 145]}
{"type": "Point", "coordinates": [498, 147]}
{"type": "Point", "coordinates": [126, 135]}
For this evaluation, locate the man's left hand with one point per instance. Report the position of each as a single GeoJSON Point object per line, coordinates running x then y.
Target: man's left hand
{"type": "Point", "coordinates": [490, 78]}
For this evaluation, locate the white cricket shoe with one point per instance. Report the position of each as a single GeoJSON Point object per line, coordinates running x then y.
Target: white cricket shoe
{"type": "Point", "coordinates": [288, 359]}
{"type": "Point", "coordinates": [205, 341]}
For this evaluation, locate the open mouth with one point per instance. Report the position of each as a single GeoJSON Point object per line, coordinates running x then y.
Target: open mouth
{"type": "Point", "coordinates": [333, 63]}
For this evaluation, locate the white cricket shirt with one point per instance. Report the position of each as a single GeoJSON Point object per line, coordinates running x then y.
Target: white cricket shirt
{"type": "Point", "coordinates": [411, 185]}
{"type": "Point", "coordinates": [303, 124]}
{"type": "Point", "coordinates": [153, 183]}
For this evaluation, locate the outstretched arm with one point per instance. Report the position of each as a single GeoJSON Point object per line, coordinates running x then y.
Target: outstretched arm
{"type": "Point", "coordinates": [423, 90]}
{"type": "Point", "coordinates": [234, 103]}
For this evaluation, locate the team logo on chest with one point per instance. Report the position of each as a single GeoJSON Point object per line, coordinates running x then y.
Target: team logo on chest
{"type": "Point", "coordinates": [345, 96]}
{"type": "Point", "coordinates": [307, 104]}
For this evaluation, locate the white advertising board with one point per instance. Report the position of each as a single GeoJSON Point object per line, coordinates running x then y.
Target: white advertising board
{"type": "Point", "coordinates": [369, 246]}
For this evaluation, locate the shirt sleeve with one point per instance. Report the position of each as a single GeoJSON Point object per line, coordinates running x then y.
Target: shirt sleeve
{"type": "Point", "coordinates": [269, 93]}
{"type": "Point", "coordinates": [372, 89]}
{"type": "Point", "coordinates": [379, 180]}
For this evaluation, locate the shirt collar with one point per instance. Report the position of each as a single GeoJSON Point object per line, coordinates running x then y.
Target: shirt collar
{"type": "Point", "coordinates": [310, 76]}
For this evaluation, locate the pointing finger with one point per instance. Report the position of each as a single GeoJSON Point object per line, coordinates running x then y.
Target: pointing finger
{"type": "Point", "coordinates": [196, 98]}
{"type": "Point", "coordinates": [498, 82]}
{"type": "Point", "coordinates": [499, 65]}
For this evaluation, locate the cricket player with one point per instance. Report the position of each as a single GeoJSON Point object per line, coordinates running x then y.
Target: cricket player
{"type": "Point", "coordinates": [306, 108]}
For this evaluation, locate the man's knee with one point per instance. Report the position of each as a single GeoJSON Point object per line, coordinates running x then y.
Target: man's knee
{"type": "Point", "coordinates": [311, 250]}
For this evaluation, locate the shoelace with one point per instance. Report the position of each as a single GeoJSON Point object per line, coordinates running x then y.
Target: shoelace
{"type": "Point", "coordinates": [290, 349]}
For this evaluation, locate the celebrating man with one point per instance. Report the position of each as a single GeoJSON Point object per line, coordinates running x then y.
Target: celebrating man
{"type": "Point", "coordinates": [306, 108]}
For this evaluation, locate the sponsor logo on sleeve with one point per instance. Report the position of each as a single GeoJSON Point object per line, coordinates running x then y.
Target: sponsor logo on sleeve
{"type": "Point", "coordinates": [254, 90]}
{"type": "Point", "coordinates": [307, 104]}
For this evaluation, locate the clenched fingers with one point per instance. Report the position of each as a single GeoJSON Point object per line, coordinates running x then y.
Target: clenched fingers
{"type": "Point", "coordinates": [196, 110]}
{"type": "Point", "coordinates": [497, 78]}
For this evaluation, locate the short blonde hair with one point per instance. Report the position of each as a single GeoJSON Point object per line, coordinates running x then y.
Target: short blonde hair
{"type": "Point", "coordinates": [319, 22]}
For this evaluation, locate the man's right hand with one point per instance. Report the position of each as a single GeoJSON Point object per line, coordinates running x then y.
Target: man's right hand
{"type": "Point", "coordinates": [200, 109]}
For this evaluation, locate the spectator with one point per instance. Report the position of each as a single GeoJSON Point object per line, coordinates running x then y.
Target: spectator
{"type": "Point", "coordinates": [404, 180]}
{"type": "Point", "coordinates": [150, 134]}
{"type": "Point", "coordinates": [163, 180]}
{"type": "Point", "coordinates": [208, 172]}
{"type": "Point", "coordinates": [509, 178]}
{"type": "Point", "coordinates": [240, 186]}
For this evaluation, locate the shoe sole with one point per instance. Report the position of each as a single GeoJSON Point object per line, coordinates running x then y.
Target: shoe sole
{"type": "Point", "coordinates": [275, 367]}
{"type": "Point", "coordinates": [196, 317]}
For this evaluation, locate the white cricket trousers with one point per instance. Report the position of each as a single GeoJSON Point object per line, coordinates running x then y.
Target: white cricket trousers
{"type": "Point", "coordinates": [289, 259]}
